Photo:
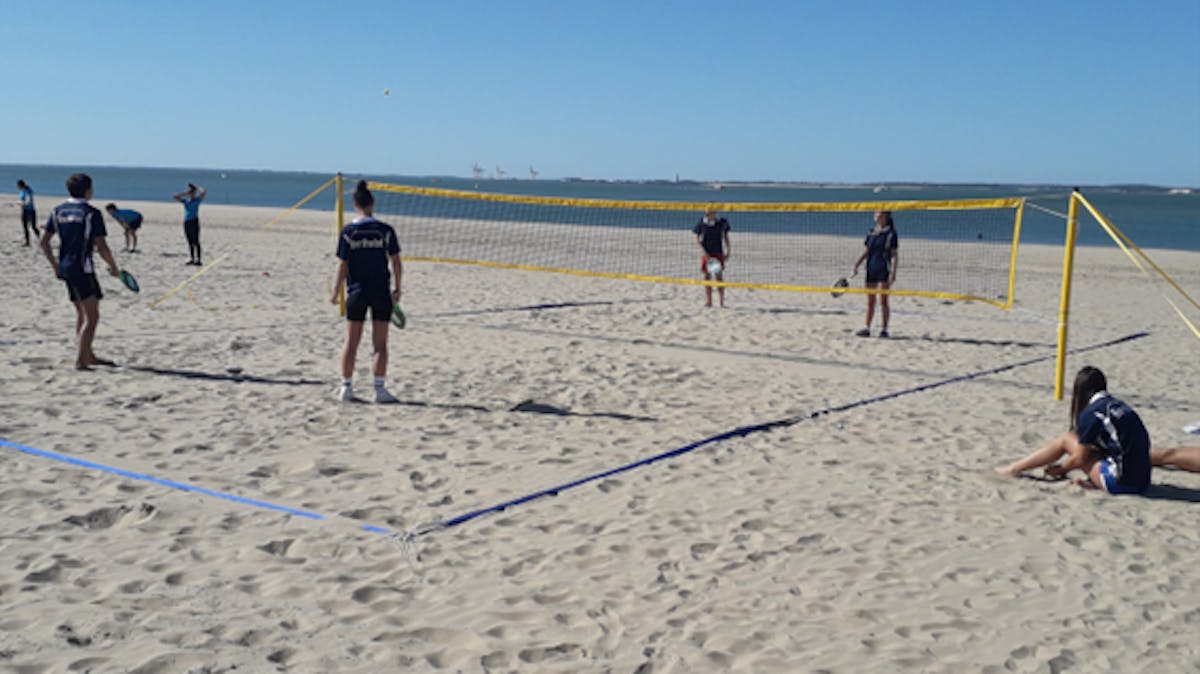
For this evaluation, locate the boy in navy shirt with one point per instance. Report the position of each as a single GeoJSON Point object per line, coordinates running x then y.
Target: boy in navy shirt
{"type": "Point", "coordinates": [80, 230]}
{"type": "Point", "coordinates": [365, 248]}
{"type": "Point", "coordinates": [712, 235]}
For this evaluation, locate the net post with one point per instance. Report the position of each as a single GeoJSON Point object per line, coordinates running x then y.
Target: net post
{"type": "Point", "coordinates": [1064, 305]}
{"type": "Point", "coordinates": [340, 201]}
{"type": "Point", "coordinates": [1012, 263]}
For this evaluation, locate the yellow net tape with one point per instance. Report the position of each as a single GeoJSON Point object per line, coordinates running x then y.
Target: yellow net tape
{"type": "Point", "coordinates": [734, 207]}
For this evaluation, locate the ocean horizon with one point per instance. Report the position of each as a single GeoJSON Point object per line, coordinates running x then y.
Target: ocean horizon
{"type": "Point", "coordinates": [1152, 216]}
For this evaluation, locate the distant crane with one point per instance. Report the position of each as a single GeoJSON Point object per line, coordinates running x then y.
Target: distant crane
{"type": "Point", "coordinates": [477, 171]}
{"type": "Point", "coordinates": [533, 174]}
{"type": "Point", "coordinates": [500, 173]}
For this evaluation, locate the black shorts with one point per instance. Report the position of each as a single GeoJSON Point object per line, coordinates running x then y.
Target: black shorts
{"type": "Point", "coordinates": [878, 275]}
{"type": "Point", "coordinates": [80, 288]}
{"type": "Point", "coordinates": [29, 217]}
{"type": "Point", "coordinates": [378, 301]}
{"type": "Point", "coordinates": [191, 229]}
{"type": "Point", "coordinates": [135, 224]}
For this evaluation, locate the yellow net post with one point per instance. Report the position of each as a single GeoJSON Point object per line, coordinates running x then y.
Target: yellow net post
{"type": "Point", "coordinates": [1064, 306]}
{"type": "Point", "coordinates": [340, 200]}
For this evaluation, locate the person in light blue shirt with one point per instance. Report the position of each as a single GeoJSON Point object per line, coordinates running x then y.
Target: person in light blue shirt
{"type": "Point", "coordinates": [191, 198]}
{"type": "Point", "coordinates": [28, 212]}
{"type": "Point", "coordinates": [130, 221]}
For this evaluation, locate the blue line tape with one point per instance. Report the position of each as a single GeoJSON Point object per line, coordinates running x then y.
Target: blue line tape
{"type": "Point", "coordinates": [554, 491]}
{"type": "Point", "coordinates": [159, 481]}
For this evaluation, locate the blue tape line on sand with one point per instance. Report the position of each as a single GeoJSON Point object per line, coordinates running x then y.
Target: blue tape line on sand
{"type": "Point", "coordinates": [466, 517]}
{"type": "Point", "coordinates": [176, 485]}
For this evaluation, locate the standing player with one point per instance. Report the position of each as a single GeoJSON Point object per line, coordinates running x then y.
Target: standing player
{"type": "Point", "coordinates": [28, 212]}
{"type": "Point", "coordinates": [80, 230]}
{"type": "Point", "coordinates": [880, 252]}
{"type": "Point", "coordinates": [712, 235]}
{"type": "Point", "coordinates": [365, 247]}
{"type": "Point", "coordinates": [191, 198]}
{"type": "Point", "coordinates": [130, 221]}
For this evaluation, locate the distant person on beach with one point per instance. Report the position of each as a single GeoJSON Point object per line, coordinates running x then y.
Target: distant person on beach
{"type": "Point", "coordinates": [880, 250]}
{"type": "Point", "coordinates": [130, 221]}
{"type": "Point", "coordinates": [80, 230]}
{"type": "Point", "coordinates": [28, 212]}
{"type": "Point", "coordinates": [191, 198]}
{"type": "Point", "coordinates": [712, 235]}
{"type": "Point", "coordinates": [365, 247]}
{"type": "Point", "coordinates": [1107, 441]}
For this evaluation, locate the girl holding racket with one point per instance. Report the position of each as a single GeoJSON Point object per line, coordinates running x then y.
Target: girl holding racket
{"type": "Point", "coordinates": [365, 247]}
{"type": "Point", "coordinates": [879, 251]}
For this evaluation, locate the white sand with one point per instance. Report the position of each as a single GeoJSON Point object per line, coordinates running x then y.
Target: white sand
{"type": "Point", "coordinates": [874, 539]}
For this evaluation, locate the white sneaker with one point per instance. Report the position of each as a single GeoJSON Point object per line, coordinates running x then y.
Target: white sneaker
{"type": "Point", "coordinates": [346, 393]}
{"type": "Point", "coordinates": [384, 396]}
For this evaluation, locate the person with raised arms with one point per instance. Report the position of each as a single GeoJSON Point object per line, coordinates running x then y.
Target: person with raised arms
{"type": "Point", "coordinates": [191, 198]}
{"type": "Point", "coordinates": [365, 247]}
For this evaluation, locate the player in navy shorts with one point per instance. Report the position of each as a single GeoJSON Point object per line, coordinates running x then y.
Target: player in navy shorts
{"type": "Point", "coordinates": [365, 247]}
{"type": "Point", "coordinates": [1107, 441]}
{"type": "Point", "coordinates": [80, 230]}
{"type": "Point", "coordinates": [880, 250]}
{"type": "Point", "coordinates": [130, 221]}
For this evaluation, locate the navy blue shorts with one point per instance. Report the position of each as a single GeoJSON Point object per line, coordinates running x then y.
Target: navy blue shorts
{"type": "Point", "coordinates": [29, 217]}
{"type": "Point", "coordinates": [135, 224]}
{"type": "Point", "coordinates": [80, 288]}
{"type": "Point", "coordinates": [378, 301]}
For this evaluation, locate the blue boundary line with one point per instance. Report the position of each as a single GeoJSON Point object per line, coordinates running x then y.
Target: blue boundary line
{"type": "Point", "coordinates": [553, 491]}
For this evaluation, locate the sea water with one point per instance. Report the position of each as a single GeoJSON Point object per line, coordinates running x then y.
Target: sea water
{"type": "Point", "coordinates": [1152, 217]}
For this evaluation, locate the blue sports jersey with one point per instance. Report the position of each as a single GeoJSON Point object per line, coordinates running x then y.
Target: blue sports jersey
{"type": "Point", "coordinates": [1116, 430]}
{"type": "Point", "coordinates": [191, 208]}
{"type": "Point", "coordinates": [365, 245]}
{"type": "Point", "coordinates": [712, 235]}
{"type": "Point", "coordinates": [127, 216]}
{"type": "Point", "coordinates": [77, 224]}
{"type": "Point", "coordinates": [27, 198]}
{"type": "Point", "coordinates": [879, 251]}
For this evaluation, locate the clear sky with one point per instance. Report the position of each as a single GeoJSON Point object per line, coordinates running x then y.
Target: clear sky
{"type": "Point", "coordinates": [1069, 92]}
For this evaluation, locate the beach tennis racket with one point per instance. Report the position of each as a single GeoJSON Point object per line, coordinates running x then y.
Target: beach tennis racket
{"type": "Point", "coordinates": [714, 266]}
{"type": "Point", "coordinates": [129, 281]}
{"type": "Point", "coordinates": [843, 282]}
{"type": "Point", "coordinates": [398, 318]}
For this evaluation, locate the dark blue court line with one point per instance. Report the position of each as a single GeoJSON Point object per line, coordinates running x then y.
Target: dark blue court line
{"type": "Point", "coordinates": [747, 430]}
{"type": "Point", "coordinates": [466, 517]}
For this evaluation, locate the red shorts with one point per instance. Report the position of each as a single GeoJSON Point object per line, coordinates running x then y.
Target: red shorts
{"type": "Point", "coordinates": [704, 262]}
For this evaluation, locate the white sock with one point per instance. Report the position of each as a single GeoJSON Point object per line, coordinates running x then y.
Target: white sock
{"type": "Point", "coordinates": [347, 381]}
{"type": "Point", "coordinates": [379, 382]}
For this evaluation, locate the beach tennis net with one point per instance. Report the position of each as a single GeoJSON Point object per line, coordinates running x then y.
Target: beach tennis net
{"type": "Point", "coordinates": [961, 249]}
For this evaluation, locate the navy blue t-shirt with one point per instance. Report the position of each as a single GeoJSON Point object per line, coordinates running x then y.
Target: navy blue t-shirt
{"type": "Point", "coordinates": [366, 244]}
{"type": "Point", "coordinates": [77, 224]}
{"type": "Point", "coordinates": [1116, 430]}
{"type": "Point", "coordinates": [879, 251]}
{"type": "Point", "coordinates": [712, 235]}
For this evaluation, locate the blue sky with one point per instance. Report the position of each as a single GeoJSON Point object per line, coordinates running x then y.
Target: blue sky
{"type": "Point", "coordinates": [1063, 92]}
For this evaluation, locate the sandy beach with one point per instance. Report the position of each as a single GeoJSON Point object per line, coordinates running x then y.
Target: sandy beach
{"type": "Point", "coordinates": [846, 538]}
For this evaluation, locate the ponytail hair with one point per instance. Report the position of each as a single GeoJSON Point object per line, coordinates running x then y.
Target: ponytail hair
{"type": "Point", "coordinates": [362, 196]}
{"type": "Point", "coordinates": [1088, 383]}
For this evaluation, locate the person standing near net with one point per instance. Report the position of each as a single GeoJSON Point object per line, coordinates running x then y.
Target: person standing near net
{"type": "Point", "coordinates": [130, 221]}
{"type": "Point", "coordinates": [712, 235]}
{"type": "Point", "coordinates": [28, 212]}
{"type": "Point", "coordinates": [80, 230]}
{"type": "Point", "coordinates": [191, 198]}
{"type": "Point", "coordinates": [880, 250]}
{"type": "Point", "coordinates": [365, 247]}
